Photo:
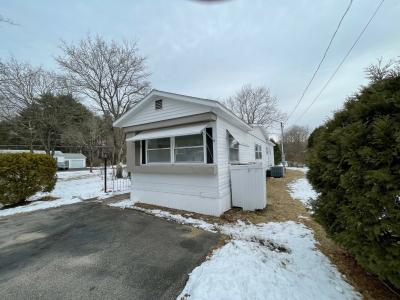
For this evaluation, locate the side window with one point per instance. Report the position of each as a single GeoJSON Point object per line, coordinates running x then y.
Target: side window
{"type": "Point", "coordinates": [258, 151]}
{"type": "Point", "coordinates": [233, 149]}
{"type": "Point", "coordinates": [189, 148]}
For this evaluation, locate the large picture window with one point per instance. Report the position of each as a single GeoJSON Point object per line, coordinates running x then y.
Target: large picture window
{"type": "Point", "coordinates": [233, 149]}
{"type": "Point", "coordinates": [189, 148]}
{"type": "Point", "coordinates": [258, 151]}
{"type": "Point", "coordinates": [159, 150]}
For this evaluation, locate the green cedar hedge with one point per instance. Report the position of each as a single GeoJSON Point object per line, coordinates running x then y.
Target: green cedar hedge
{"type": "Point", "coordinates": [24, 174]}
{"type": "Point", "coordinates": [354, 162]}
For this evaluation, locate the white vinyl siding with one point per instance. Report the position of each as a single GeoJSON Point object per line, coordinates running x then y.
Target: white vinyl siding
{"type": "Point", "coordinates": [223, 158]}
{"type": "Point", "coordinates": [76, 163]}
{"type": "Point", "coordinates": [171, 109]}
{"type": "Point", "coordinates": [189, 192]}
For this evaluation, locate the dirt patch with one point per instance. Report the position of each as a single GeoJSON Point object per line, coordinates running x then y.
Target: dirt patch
{"type": "Point", "coordinates": [271, 245]}
{"type": "Point", "coordinates": [48, 198]}
{"type": "Point", "coordinates": [188, 214]}
{"type": "Point", "coordinates": [114, 198]}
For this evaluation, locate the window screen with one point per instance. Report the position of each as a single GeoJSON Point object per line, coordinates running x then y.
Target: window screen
{"type": "Point", "coordinates": [233, 149]}
{"type": "Point", "coordinates": [159, 150]}
{"type": "Point", "coordinates": [258, 151]}
{"type": "Point", "coordinates": [189, 148]}
{"type": "Point", "coordinates": [209, 145]}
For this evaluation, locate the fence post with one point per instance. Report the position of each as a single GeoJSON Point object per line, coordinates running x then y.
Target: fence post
{"type": "Point", "coordinates": [105, 174]}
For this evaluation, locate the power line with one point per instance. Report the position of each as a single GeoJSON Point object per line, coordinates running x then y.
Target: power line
{"type": "Point", "coordinates": [322, 59]}
{"type": "Point", "coordinates": [343, 60]}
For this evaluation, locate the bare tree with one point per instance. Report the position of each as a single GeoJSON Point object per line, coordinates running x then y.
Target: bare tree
{"type": "Point", "coordinates": [295, 143]}
{"type": "Point", "coordinates": [255, 105]}
{"type": "Point", "coordinates": [20, 85]}
{"type": "Point", "coordinates": [90, 135]}
{"type": "Point", "coordinates": [111, 74]}
{"type": "Point", "coordinates": [382, 70]}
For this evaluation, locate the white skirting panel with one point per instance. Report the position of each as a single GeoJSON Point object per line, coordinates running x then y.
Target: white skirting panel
{"type": "Point", "coordinates": [196, 193]}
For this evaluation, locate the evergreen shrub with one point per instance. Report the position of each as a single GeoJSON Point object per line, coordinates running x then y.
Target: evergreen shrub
{"type": "Point", "coordinates": [24, 174]}
{"type": "Point", "coordinates": [354, 165]}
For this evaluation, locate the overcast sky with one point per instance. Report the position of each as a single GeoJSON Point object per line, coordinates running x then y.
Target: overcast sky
{"type": "Point", "coordinates": [211, 50]}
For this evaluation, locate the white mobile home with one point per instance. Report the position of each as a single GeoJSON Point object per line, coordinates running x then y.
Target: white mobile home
{"type": "Point", "coordinates": [180, 149]}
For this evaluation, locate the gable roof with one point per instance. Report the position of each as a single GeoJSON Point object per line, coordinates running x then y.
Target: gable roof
{"type": "Point", "coordinates": [265, 134]}
{"type": "Point", "coordinates": [74, 156]}
{"type": "Point", "coordinates": [218, 106]}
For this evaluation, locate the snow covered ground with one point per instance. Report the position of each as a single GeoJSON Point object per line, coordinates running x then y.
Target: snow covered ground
{"type": "Point", "coordinates": [304, 170]}
{"type": "Point", "coordinates": [263, 261]}
{"type": "Point", "coordinates": [71, 187]}
{"type": "Point", "coordinates": [302, 190]}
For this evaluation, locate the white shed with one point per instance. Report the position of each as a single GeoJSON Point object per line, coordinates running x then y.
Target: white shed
{"type": "Point", "coordinates": [180, 149]}
{"type": "Point", "coordinates": [75, 160]}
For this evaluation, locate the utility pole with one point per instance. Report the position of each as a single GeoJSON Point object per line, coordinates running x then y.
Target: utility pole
{"type": "Point", "coordinates": [282, 152]}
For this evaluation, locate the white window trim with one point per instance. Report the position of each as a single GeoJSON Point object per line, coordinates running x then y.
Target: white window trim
{"type": "Point", "coordinates": [192, 162]}
{"type": "Point", "coordinates": [172, 153]}
{"type": "Point", "coordinates": [157, 162]}
{"type": "Point", "coordinates": [260, 151]}
{"type": "Point", "coordinates": [229, 148]}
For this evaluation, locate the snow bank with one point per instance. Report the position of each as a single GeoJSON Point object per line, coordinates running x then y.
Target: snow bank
{"type": "Point", "coordinates": [71, 187]}
{"type": "Point", "coordinates": [38, 205]}
{"type": "Point", "coordinates": [127, 203]}
{"type": "Point", "coordinates": [268, 261]}
{"type": "Point", "coordinates": [166, 215]}
{"type": "Point", "coordinates": [304, 170]}
{"type": "Point", "coordinates": [302, 190]}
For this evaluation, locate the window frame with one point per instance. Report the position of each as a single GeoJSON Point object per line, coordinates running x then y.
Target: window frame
{"type": "Point", "coordinates": [172, 147]}
{"type": "Point", "coordinates": [204, 146]}
{"type": "Point", "coordinates": [259, 151]}
{"type": "Point", "coordinates": [158, 162]}
{"type": "Point", "coordinates": [229, 149]}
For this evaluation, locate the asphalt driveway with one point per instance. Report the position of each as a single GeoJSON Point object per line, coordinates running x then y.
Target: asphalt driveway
{"type": "Point", "coordinates": [92, 251]}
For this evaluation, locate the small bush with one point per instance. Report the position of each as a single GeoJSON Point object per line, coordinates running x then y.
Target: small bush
{"type": "Point", "coordinates": [24, 174]}
{"type": "Point", "coordinates": [354, 162]}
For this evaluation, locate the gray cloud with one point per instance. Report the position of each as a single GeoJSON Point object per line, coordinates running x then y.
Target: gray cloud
{"type": "Point", "coordinates": [211, 50]}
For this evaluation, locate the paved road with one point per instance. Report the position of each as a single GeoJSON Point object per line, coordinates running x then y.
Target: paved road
{"type": "Point", "coordinates": [92, 251]}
